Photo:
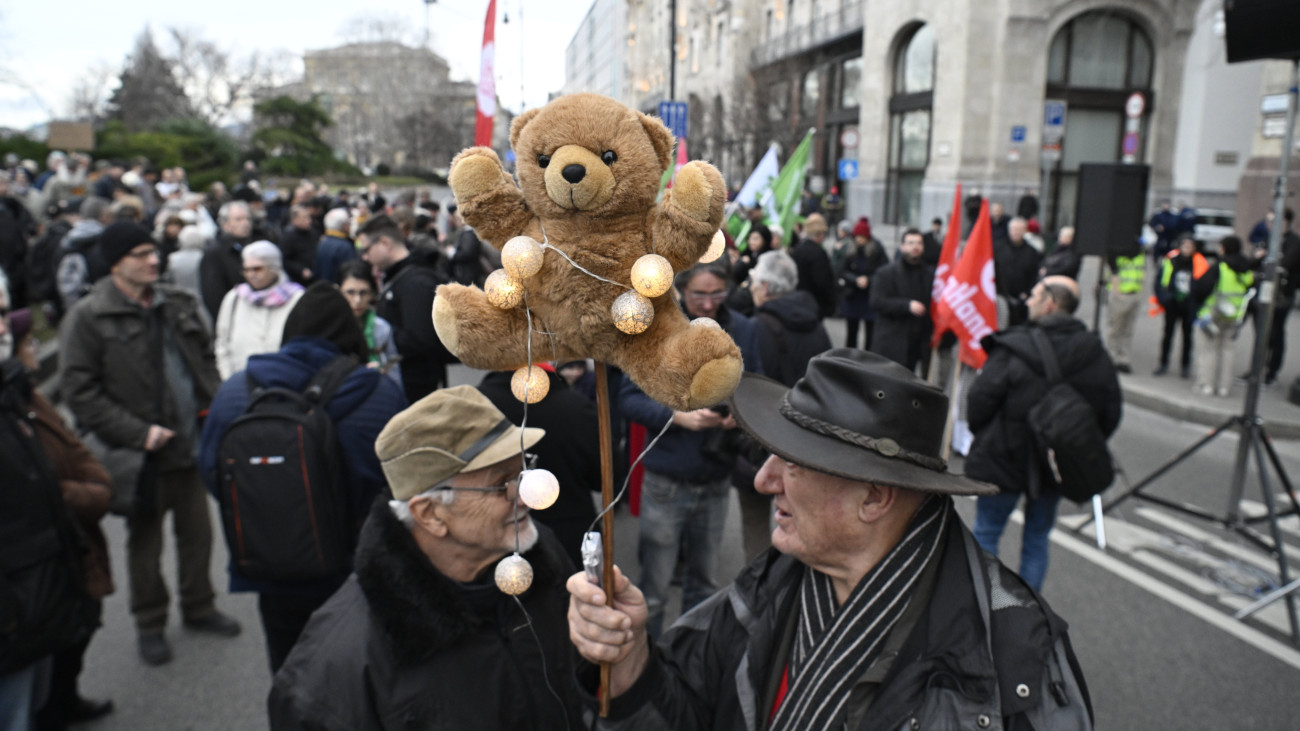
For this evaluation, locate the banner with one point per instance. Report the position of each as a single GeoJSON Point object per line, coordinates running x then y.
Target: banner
{"type": "Point", "coordinates": [487, 82]}
{"type": "Point", "coordinates": [781, 201]}
{"type": "Point", "coordinates": [947, 258]}
{"type": "Point", "coordinates": [968, 303]}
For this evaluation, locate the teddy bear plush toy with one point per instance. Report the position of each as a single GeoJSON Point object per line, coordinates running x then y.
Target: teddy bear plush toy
{"type": "Point", "coordinates": [589, 171]}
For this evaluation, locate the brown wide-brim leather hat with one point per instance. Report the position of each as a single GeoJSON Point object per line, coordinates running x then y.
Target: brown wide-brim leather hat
{"type": "Point", "coordinates": [855, 415]}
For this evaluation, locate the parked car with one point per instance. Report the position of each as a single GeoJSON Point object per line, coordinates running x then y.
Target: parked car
{"type": "Point", "coordinates": [1211, 226]}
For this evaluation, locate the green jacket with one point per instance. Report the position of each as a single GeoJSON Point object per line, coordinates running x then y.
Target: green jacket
{"type": "Point", "coordinates": [111, 370]}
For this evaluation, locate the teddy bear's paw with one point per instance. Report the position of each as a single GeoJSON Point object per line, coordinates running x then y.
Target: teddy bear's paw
{"type": "Point", "coordinates": [693, 191]}
{"type": "Point", "coordinates": [714, 382]}
{"type": "Point", "coordinates": [444, 322]}
{"type": "Point", "coordinates": [475, 172]}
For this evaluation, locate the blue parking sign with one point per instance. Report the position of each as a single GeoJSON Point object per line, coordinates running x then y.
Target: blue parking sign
{"type": "Point", "coordinates": [674, 115]}
{"type": "Point", "coordinates": [1018, 134]}
{"type": "Point", "coordinates": [848, 169]}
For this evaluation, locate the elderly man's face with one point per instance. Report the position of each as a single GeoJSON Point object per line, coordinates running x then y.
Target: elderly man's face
{"type": "Point", "coordinates": [1016, 231]}
{"type": "Point", "coordinates": [483, 523]}
{"type": "Point", "coordinates": [238, 223]}
{"type": "Point", "coordinates": [816, 514]}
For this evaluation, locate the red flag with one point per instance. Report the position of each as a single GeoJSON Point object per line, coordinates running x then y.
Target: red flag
{"type": "Point", "coordinates": [487, 83]}
{"type": "Point", "coordinates": [969, 299]}
{"type": "Point", "coordinates": [947, 258]}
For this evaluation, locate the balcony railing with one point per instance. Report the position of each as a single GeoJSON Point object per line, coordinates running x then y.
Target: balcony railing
{"type": "Point", "coordinates": [821, 31]}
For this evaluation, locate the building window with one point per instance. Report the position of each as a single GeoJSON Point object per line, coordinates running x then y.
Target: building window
{"type": "Point", "coordinates": [1095, 62]}
{"type": "Point", "coordinates": [910, 106]}
{"type": "Point", "coordinates": [850, 83]}
{"type": "Point", "coordinates": [810, 96]}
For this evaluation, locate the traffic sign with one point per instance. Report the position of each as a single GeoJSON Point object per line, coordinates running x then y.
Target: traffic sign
{"type": "Point", "coordinates": [674, 116]}
{"type": "Point", "coordinates": [1051, 152]}
{"type": "Point", "coordinates": [849, 138]}
{"type": "Point", "coordinates": [1135, 105]}
{"type": "Point", "coordinates": [1013, 155]}
{"type": "Point", "coordinates": [1017, 134]}
{"type": "Point", "coordinates": [1053, 121]}
{"type": "Point", "coordinates": [1130, 146]}
{"type": "Point", "coordinates": [848, 169]}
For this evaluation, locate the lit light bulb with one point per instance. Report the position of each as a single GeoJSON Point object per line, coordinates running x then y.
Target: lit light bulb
{"type": "Point", "coordinates": [538, 489]}
{"type": "Point", "coordinates": [652, 275]}
{"type": "Point", "coordinates": [502, 291]}
{"type": "Point", "coordinates": [514, 574]}
{"type": "Point", "coordinates": [530, 384]}
{"type": "Point", "coordinates": [706, 322]}
{"type": "Point", "coordinates": [716, 247]}
{"type": "Point", "coordinates": [521, 257]}
{"type": "Point", "coordinates": [632, 312]}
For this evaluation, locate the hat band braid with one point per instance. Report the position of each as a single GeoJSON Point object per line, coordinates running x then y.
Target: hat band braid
{"type": "Point", "coordinates": [484, 441]}
{"type": "Point", "coordinates": [886, 447]}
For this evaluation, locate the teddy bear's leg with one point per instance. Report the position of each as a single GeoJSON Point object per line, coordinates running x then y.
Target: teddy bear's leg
{"type": "Point", "coordinates": [480, 334]}
{"type": "Point", "coordinates": [689, 368]}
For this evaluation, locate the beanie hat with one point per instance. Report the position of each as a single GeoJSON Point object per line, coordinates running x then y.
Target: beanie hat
{"type": "Point", "coordinates": [323, 312]}
{"type": "Point", "coordinates": [862, 228]}
{"type": "Point", "coordinates": [119, 238]}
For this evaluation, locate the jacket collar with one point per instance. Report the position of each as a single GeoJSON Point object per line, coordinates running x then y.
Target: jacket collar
{"type": "Point", "coordinates": [420, 609]}
{"type": "Point", "coordinates": [109, 300]}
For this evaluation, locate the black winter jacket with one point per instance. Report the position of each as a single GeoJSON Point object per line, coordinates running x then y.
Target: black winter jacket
{"type": "Point", "coordinates": [1013, 380]}
{"type": "Point", "coordinates": [719, 665]}
{"type": "Point", "coordinates": [899, 335]}
{"type": "Point", "coordinates": [406, 302]}
{"type": "Point", "coordinates": [401, 646]}
{"type": "Point", "coordinates": [220, 270]}
{"type": "Point", "coordinates": [790, 333]}
{"type": "Point", "coordinates": [815, 275]}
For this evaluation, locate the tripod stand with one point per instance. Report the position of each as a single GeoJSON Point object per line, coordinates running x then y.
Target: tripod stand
{"type": "Point", "coordinates": [1252, 438]}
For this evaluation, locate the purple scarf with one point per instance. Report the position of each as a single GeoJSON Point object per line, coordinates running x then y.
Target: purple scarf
{"type": "Point", "coordinates": [276, 295]}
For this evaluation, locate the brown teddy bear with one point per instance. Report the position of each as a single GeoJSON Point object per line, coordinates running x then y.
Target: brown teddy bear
{"type": "Point", "coordinates": [589, 169]}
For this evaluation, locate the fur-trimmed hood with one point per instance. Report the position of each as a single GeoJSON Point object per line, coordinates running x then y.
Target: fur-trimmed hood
{"type": "Point", "coordinates": [423, 611]}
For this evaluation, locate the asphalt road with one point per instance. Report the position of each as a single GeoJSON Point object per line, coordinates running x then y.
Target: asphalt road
{"type": "Point", "coordinates": [1150, 616]}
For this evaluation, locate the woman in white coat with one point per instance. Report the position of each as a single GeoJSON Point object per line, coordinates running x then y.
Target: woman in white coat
{"type": "Point", "coordinates": [252, 315]}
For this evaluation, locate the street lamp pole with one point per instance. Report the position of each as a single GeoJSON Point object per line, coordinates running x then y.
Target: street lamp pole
{"type": "Point", "coordinates": [672, 50]}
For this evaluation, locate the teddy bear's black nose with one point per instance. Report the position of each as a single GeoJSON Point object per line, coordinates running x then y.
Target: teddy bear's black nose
{"type": "Point", "coordinates": [573, 173]}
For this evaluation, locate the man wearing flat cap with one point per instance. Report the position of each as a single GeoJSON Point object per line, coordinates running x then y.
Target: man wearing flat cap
{"type": "Point", "coordinates": [874, 609]}
{"type": "Point", "coordinates": [420, 636]}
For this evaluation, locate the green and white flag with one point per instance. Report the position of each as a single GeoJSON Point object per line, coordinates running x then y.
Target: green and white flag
{"type": "Point", "coordinates": [777, 194]}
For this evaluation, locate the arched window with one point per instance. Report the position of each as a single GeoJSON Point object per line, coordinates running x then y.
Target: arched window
{"type": "Point", "coordinates": [910, 106]}
{"type": "Point", "coordinates": [1096, 61]}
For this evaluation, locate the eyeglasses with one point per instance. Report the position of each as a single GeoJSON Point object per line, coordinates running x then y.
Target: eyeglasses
{"type": "Point", "coordinates": [509, 491]}
{"type": "Point", "coordinates": [254, 270]}
{"type": "Point", "coordinates": [152, 251]}
{"type": "Point", "coordinates": [714, 297]}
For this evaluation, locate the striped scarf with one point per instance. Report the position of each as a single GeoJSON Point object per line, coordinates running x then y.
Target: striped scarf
{"type": "Point", "coordinates": [834, 645]}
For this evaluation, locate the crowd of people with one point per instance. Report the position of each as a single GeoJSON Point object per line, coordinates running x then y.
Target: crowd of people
{"type": "Point", "coordinates": [193, 326]}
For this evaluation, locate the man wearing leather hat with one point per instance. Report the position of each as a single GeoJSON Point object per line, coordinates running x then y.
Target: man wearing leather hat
{"type": "Point", "coordinates": [874, 608]}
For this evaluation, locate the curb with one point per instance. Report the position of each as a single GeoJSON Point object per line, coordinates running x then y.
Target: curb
{"type": "Point", "coordinates": [1194, 409]}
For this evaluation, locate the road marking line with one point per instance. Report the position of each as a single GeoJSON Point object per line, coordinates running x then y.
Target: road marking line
{"type": "Point", "coordinates": [1253, 637]}
{"type": "Point", "coordinates": [1233, 550]}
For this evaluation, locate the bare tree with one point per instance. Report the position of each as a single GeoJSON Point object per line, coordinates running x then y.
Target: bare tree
{"type": "Point", "coordinates": [376, 27]}
{"type": "Point", "coordinates": [89, 93]}
{"type": "Point", "coordinates": [219, 83]}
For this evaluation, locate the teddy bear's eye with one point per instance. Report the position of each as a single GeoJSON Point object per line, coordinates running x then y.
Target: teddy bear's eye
{"type": "Point", "coordinates": [609, 157]}
{"type": "Point", "coordinates": [543, 160]}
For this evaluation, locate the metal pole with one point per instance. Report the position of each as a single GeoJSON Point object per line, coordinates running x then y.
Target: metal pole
{"type": "Point", "coordinates": [672, 50]}
{"type": "Point", "coordinates": [1267, 290]}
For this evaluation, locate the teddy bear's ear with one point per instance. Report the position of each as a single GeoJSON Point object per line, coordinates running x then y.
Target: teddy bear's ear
{"type": "Point", "coordinates": [660, 137]}
{"type": "Point", "coordinates": [517, 126]}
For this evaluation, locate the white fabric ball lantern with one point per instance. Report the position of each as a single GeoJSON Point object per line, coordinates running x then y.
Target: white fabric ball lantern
{"type": "Point", "coordinates": [652, 275]}
{"type": "Point", "coordinates": [502, 291]}
{"type": "Point", "coordinates": [530, 384]}
{"type": "Point", "coordinates": [633, 312]}
{"type": "Point", "coordinates": [521, 257]}
{"type": "Point", "coordinates": [514, 575]}
{"type": "Point", "coordinates": [538, 489]}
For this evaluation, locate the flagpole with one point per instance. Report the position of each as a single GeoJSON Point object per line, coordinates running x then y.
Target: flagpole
{"type": "Point", "coordinates": [953, 404]}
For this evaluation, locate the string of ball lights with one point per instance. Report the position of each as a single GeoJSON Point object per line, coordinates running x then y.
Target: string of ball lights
{"type": "Point", "coordinates": [632, 312]}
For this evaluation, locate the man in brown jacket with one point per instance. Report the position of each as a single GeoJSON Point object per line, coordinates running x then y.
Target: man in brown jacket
{"type": "Point", "coordinates": [137, 370]}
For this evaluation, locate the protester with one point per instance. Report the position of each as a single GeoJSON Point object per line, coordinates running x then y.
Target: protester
{"type": "Point", "coordinates": [86, 490]}
{"type": "Point", "coordinates": [873, 609]}
{"type": "Point", "coordinates": [298, 242]}
{"type": "Point", "coordinates": [316, 331]}
{"type": "Point", "coordinates": [901, 302]}
{"type": "Point", "coordinates": [136, 368]}
{"type": "Point", "coordinates": [222, 267]}
{"type": "Point", "coordinates": [1015, 266]}
{"type": "Point", "coordinates": [253, 314]}
{"type": "Point", "coordinates": [420, 635]}
{"type": "Point", "coordinates": [1064, 259]}
{"type": "Point", "coordinates": [81, 264]}
{"type": "Point", "coordinates": [815, 274]}
{"type": "Point", "coordinates": [1127, 264]}
{"type": "Point", "coordinates": [358, 286]}
{"type": "Point", "coordinates": [1174, 294]}
{"type": "Point", "coordinates": [406, 301]}
{"type": "Point", "coordinates": [335, 248]}
{"type": "Point", "coordinates": [789, 330]}
{"type": "Point", "coordinates": [1011, 382]}
{"type": "Point", "coordinates": [183, 264]}
{"type": "Point", "coordinates": [856, 269]}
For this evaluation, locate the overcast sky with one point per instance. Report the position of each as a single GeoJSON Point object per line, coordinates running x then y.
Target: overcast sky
{"type": "Point", "coordinates": [46, 45]}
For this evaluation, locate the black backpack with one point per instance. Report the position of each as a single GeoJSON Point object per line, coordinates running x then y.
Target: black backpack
{"type": "Point", "coordinates": [43, 262]}
{"type": "Point", "coordinates": [284, 506]}
{"type": "Point", "coordinates": [1067, 434]}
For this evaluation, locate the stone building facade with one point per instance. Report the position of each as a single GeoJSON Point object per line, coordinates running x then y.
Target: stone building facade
{"type": "Point", "coordinates": [935, 91]}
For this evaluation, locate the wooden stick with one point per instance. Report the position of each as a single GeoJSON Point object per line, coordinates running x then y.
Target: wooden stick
{"type": "Point", "coordinates": [953, 408]}
{"type": "Point", "coordinates": [606, 497]}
